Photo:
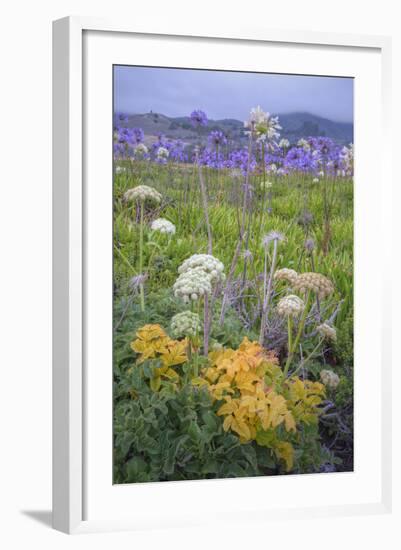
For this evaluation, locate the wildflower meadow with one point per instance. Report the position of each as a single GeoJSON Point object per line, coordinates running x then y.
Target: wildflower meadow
{"type": "Point", "coordinates": [233, 302]}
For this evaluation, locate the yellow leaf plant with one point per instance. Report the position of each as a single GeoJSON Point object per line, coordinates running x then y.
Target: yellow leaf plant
{"type": "Point", "coordinates": [258, 402]}
{"type": "Point", "coordinates": [258, 399]}
{"type": "Point", "coordinates": [152, 342]}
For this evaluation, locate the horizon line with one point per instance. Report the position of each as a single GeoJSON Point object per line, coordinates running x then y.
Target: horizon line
{"type": "Point", "coordinates": [233, 118]}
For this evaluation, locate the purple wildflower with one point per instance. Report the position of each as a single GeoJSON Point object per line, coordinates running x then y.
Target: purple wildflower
{"type": "Point", "coordinates": [217, 138]}
{"type": "Point", "coordinates": [137, 135]}
{"type": "Point", "coordinates": [198, 118]}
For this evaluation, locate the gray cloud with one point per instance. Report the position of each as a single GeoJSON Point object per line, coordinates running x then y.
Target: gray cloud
{"type": "Point", "coordinates": [177, 92]}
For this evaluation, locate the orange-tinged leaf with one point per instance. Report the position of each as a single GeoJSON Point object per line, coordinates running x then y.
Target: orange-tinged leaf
{"type": "Point", "coordinates": [228, 408]}
{"type": "Point", "coordinates": [155, 383]}
{"type": "Point", "coordinates": [285, 451]}
{"type": "Point", "coordinates": [289, 423]}
{"type": "Point", "coordinates": [227, 423]}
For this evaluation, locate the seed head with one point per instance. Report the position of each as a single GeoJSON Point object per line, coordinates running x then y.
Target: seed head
{"type": "Point", "coordinates": [286, 274]}
{"type": "Point", "coordinates": [290, 306]}
{"type": "Point", "coordinates": [327, 331]}
{"type": "Point", "coordinates": [309, 245]}
{"type": "Point", "coordinates": [137, 280]}
{"type": "Point", "coordinates": [143, 193]}
{"type": "Point", "coordinates": [329, 378]}
{"type": "Point", "coordinates": [272, 236]}
{"type": "Point", "coordinates": [315, 282]}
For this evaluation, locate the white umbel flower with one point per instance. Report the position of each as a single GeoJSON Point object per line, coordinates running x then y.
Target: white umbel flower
{"type": "Point", "coordinates": [185, 324]}
{"type": "Point", "coordinates": [315, 180]}
{"type": "Point", "coordinates": [140, 151]}
{"type": "Point", "coordinates": [290, 306]}
{"type": "Point", "coordinates": [329, 378]}
{"type": "Point", "coordinates": [256, 116]}
{"type": "Point", "coordinates": [265, 126]}
{"type": "Point", "coordinates": [210, 265]}
{"type": "Point", "coordinates": [192, 284]}
{"type": "Point", "coordinates": [162, 153]}
{"type": "Point", "coordinates": [163, 226]}
{"type": "Point", "coordinates": [347, 159]}
{"type": "Point", "coordinates": [327, 331]}
{"type": "Point", "coordinates": [304, 144]}
{"type": "Point", "coordinates": [143, 193]}
{"type": "Point", "coordinates": [284, 143]}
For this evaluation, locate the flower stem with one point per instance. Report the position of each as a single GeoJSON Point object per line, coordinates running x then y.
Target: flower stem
{"type": "Point", "coordinates": [289, 330]}
{"type": "Point", "coordinates": [312, 353]}
{"type": "Point", "coordinates": [206, 326]}
{"type": "Point", "coordinates": [267, 290]}
{"type": "Point", "coordinates": [294, 346]}
{"type": "Point", "coordinates": [140, 269]}
{"type": "Point", "coordinates": [205, 209]}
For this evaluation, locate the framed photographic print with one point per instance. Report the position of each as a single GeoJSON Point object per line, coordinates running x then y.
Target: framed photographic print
{"type": "Point", "coordinates": [220, 320]}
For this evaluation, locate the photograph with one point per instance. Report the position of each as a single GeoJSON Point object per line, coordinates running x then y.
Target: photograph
{"type": "Point", "coordinates": [233, 275]}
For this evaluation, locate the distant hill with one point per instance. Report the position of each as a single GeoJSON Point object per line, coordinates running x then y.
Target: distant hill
{"type": "Point", "coordinates": [295, 126]}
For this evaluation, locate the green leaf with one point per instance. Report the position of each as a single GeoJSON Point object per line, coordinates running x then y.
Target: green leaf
{"type": "Point", "coordinates": [169, 463]}
{"type": "Point", "coordinates": [211, 421]}
{"type": "Point", "coordinates": [136, 467]}
{"type": "Point", "coordinates": [265, 438]}
{"type": "Point", "coordinates": [195, 432]}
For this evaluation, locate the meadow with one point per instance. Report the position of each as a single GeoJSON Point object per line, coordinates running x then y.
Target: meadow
{"type": "Point", "coordinates": [233, 308]}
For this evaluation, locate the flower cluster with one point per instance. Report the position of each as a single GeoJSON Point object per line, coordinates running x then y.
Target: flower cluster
{"type": "Point", "coordinates": [304, 144]}
{"type": "Point", "coordinates": [162, 154]}
{"type": "Point", "coordinates": [263, 124]}
{"type": "Point", "coordinates": [217, 138]}
{"type": "Point", "coordinates": [327, 332]}
{"type": "Point", "coordinates": [197, 274]}
{"type": "Point", "coordinates": [317, 156]}
{"type": "Point", "coordinates": [286, 274]}
{"type": "Point", "coordinates": [175, 150]}
{"type": "Point", "coordinates": [163, 226]}
{"type": "Point", "coordinates": [198, 118]}
{"type": "Point", "coordinates": [290, 306]}
{"type": "Point", "coordinates": [315, 282]}
{"type": "Point", "coordinates": [329, 378]}
{"type": "Point", "coordinates": [192, 284]}
{"type": "Point", "coordinates": [143, 193]}
{"type": "Point", "coordinates": [185, 324]}
{"type": "Point", "coordinates": [284, 143]}
{"type": "Point", "coordinates": [140, 151]}
{"type": "Point", "coordinates": [126, 139]}
{"type": "Point", "coordinates": [347, 160]}
{"type": "Point", "coordinates": [272, 236]}
{"type": "Point", "coordinates": [208, 263]}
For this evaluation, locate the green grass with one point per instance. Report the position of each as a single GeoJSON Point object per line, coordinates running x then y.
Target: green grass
{"type": "Point", "coordinates": [182, 205]}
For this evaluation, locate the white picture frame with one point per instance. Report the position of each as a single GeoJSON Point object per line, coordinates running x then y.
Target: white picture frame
{"type": "Point", "coordinates": [69, 259]}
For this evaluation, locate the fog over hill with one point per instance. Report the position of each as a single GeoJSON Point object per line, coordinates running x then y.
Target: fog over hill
{"type": "Point", "coordinates": [294, 127]}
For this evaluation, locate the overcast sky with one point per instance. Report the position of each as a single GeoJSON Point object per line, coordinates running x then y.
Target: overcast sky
{"type": "Point", "coordinates": [177, 92]}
